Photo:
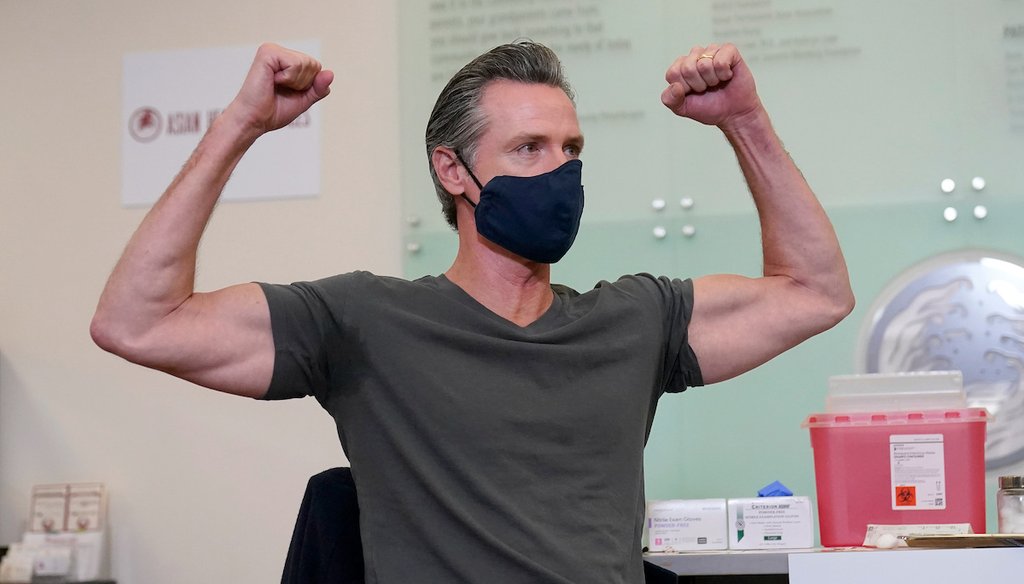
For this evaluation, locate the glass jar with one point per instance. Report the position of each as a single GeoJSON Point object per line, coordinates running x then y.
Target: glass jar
{"type": "Point", "coordinates": [1010, 503]}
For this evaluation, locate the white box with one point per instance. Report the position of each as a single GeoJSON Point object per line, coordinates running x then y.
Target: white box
{"type": "Point", "coordinates": [770, 523]}
{"type": "Point", "coordinates": [679, 525]}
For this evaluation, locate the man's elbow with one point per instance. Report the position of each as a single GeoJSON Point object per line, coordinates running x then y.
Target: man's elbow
{"type": "Point", "coordinates": [840, 306]}
{"type": "Point", "coordinates": [103, 332]}
{"type": "Point", "coordinates": [112, 336]}
{"type": "Point", "coordinates": [822, 309]}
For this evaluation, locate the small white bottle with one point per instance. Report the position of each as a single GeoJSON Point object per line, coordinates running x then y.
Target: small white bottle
{"type": "Point", "coordinates": [1010, 504]}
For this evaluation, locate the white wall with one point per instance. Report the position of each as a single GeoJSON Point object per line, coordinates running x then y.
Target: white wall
{"type": "Point", "coordinates": [204, 487]}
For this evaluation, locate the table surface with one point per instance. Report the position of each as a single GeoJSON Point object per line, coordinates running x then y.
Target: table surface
{"type": "Point", "coordinates": [903, 565]}
{"type": "Point", "coordinates": [746, 562]}
{"type": "Point", "coordinates": [713, 563]}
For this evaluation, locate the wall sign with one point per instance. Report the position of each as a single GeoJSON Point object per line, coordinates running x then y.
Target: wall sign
{"type": "Point", "coordinates": [168, 101]}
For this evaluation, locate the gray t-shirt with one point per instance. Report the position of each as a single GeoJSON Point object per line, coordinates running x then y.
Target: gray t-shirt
{"type": "Point", "coordinates": [483, 451]}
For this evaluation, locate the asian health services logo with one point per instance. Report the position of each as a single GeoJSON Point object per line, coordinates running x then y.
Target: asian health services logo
{"type": "Point", "coordinates": [145, 124]}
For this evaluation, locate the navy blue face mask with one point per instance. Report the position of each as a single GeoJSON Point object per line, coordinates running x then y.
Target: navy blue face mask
{"type": "Point", "coordinates": [534, 217]}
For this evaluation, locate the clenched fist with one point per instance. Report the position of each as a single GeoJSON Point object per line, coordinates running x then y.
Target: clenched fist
{"type": "Point", "coordinates": [711, 85]}
{"type": "Point", "coordinates": [281, 85]}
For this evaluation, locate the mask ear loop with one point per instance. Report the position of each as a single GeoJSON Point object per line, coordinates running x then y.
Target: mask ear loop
{"type": "Point", "coordinates": [471, 175]}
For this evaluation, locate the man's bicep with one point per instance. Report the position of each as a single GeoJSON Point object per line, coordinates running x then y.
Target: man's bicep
{"type": "Point", "coordinates": [221, 340]}
{"type": "Point", "coordinates": [739, 323]}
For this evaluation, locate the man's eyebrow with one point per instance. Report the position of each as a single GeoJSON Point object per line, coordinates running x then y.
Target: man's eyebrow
{"type": "Point", "coordinates": [527, 137]}
{"type": "Point", "coordinates": [576, 140]}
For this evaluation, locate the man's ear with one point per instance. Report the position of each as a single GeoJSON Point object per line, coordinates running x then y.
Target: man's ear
{"type": "Point", "coordinates": [449, 170]}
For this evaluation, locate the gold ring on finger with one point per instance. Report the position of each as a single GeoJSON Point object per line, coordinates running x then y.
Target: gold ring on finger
{"type": "Point", "coordinates": [706, 56]}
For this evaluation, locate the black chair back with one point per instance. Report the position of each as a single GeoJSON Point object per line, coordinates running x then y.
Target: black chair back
{"type": "Point", "coordinates": [326, 547]}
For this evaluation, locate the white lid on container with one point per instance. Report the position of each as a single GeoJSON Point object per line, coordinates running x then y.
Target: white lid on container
{"type": "Point", "coordinates": [887, 392]}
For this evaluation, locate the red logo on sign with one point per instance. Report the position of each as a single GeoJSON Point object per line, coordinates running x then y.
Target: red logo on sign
{"type": "Point", "coordinates": [906, 496]}
{"type": "Point", "coordinates": [145, 124]}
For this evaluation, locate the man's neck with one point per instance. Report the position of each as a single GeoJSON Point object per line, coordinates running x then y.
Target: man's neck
{"type": "Point", "coordinates": [517, 291]}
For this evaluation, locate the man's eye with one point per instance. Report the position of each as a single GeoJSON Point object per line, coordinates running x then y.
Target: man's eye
{"type": "Point", "coordinates": [528, 148]}
{"type": "Point", "coordinates": [573, 151]}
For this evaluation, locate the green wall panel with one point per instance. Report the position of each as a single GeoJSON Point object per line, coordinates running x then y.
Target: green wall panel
{"type": "Point", "coordinates": [876, 112]}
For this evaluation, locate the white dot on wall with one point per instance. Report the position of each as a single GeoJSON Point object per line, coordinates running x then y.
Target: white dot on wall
{"type": "Point", "coordinates": [412, 220]}
{"type": "Point", "coordinates": [413, 247]}
{"type": "Point", "coordinates": [658, 204]}
{"type": "Point", "coordinates": [686, 203]}
{"type": "Point", "coordinates": [949, 214]}
{"type": "Point", "coordinates": [659, 232]}
{"type": "Point", "coordinates": [947, 185]}
{"type": "Point", "coordinates": [978, 183]}
{"type": "Point", "coordinates": [689, 230]}
{"type": "Point", "coordinates": [980, 212]}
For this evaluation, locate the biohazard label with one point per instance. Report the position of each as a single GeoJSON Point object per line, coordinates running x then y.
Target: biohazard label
{"type": "Point", "coordinates": [918, 466]}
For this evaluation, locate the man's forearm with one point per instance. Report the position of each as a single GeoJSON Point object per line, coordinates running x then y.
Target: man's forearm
{"type": "Point", "coordinates": [156, 272]}
{"type": "Point", "coordinates": [797, 237]}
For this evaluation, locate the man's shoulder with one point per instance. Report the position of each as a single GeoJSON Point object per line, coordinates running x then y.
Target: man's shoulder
{"type": "Point", "coordinates": [630, 290]}
{"type": "Point", "coordinates": [642, 281]}
{"type": "Point", "coordinates": [350, 288]}
{"type": "Point", "coordinates": [363, 279]}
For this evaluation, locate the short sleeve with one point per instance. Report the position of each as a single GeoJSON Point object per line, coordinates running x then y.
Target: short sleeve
{"type": "Point", "coordinates": [673, 299]}
{"type": "Point", "coordinates": [681, 364]}
{"type": "Point", "coordinates": [303, 322]}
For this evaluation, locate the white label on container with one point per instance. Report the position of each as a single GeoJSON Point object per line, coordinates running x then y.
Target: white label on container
{"type": "Point", "coordinates": [918, 473]}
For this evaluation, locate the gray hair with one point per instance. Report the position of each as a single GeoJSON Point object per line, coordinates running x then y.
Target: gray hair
{"type": "Point", "coordinates": [457, 121]}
